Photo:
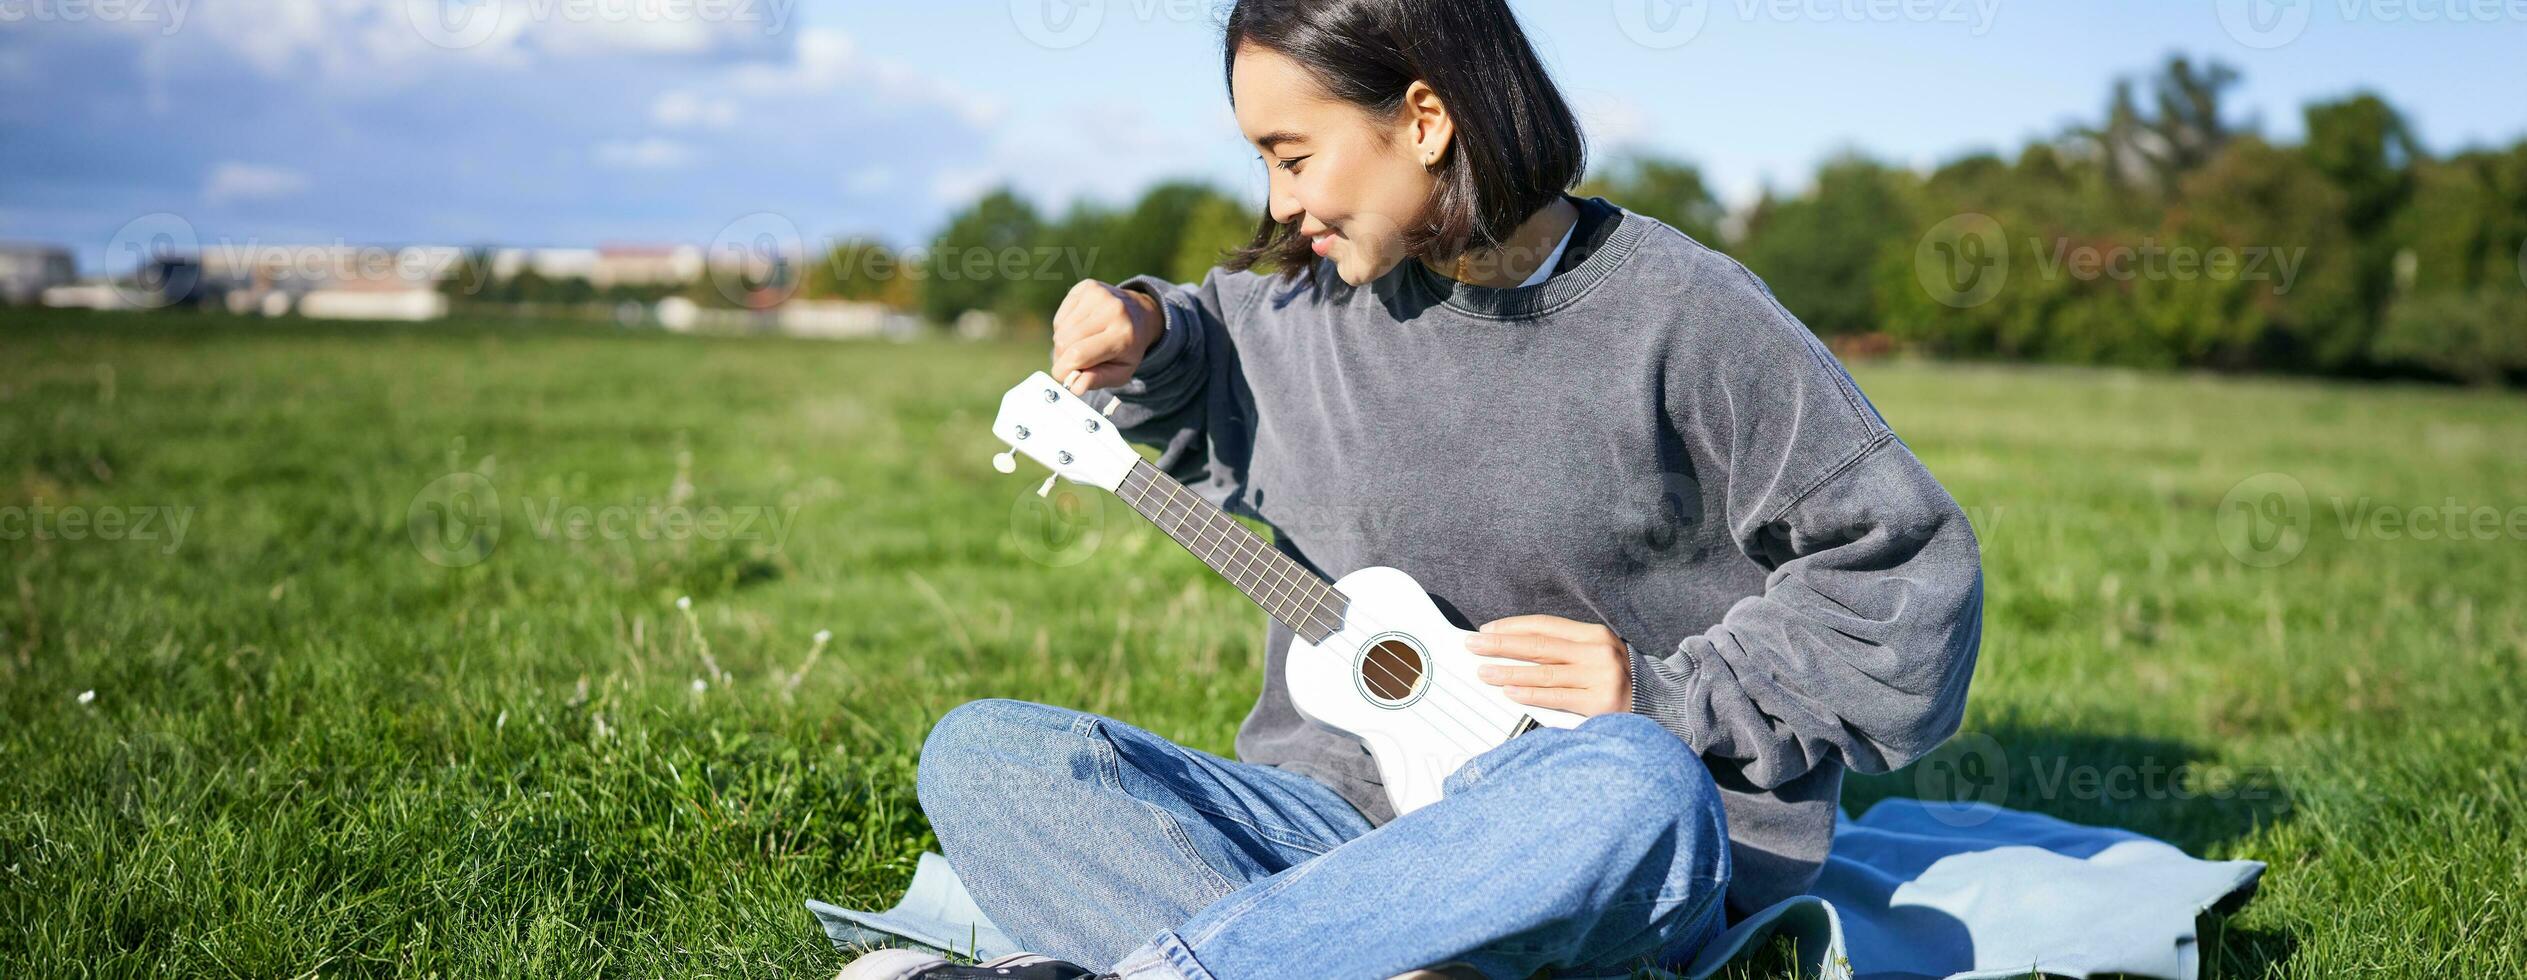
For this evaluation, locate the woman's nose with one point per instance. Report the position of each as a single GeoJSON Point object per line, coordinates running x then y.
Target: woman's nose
{"type": "Point", "coordinates": [1284, 205]}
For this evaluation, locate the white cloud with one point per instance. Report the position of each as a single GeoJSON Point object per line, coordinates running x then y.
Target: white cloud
{"type": "Point", "coordinates": [827, 60]}
{"type": "Point", "coordinates": [682, 109]}
{"type": "Point", "coordinates": [870, 180]}
{"type": "Point", "coordinates": [650, 153]}
{"type": "Point", "coordinates": [232, 181]}
{"type": "Point", "coordinates": [1611, 122]}
{"type": "Point", "coordinates": [959, 185]}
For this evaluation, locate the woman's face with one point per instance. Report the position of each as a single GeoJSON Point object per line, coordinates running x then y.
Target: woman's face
{"type": "Point", "coordinates": [1352, 182]}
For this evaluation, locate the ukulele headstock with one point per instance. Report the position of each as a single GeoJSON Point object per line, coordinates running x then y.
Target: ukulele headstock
{"type": "Point", "coordinates": [1042, 420]}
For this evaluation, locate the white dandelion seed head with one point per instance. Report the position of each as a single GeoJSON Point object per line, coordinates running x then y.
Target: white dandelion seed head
{"type": "Point", "coordinates": [824, 636]}
{"type": "Point", "coordinates": [87, 697]}
{"type": "Point", "coordinates": [684, 602]}
{"type": "Point", "coordinates": [700, 685]}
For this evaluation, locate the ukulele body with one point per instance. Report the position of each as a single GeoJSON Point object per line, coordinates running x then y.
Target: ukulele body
{"type": "Point", "coordinates": [1397, 677]}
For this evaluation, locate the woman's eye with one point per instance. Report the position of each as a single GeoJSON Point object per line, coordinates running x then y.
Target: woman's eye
{"type": "Point", "coordinates": [1291, 164]}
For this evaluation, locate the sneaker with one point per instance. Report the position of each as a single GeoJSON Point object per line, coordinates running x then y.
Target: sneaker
{"type": "Point", "coordinates": [913, 964]}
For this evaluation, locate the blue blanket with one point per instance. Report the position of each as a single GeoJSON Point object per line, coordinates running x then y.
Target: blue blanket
{"type": "Point", "coordinates": [1911, 890]}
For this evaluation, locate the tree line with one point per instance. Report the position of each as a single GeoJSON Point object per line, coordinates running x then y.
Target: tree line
{"type": "Point", "coordinates": [2165, 234]}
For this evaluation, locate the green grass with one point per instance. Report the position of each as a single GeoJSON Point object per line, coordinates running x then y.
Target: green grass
{"type": "Point", "coordinates": [314, 750]}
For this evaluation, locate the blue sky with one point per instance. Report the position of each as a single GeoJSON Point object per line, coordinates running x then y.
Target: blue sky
{"type": "Point", "coordinates": [577, 122]}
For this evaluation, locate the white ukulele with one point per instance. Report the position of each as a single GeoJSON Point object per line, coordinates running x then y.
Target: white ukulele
{"type": "Point", "coordinates": [1372, 658]}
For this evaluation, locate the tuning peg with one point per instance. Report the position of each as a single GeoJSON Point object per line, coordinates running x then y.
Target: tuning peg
{"type": "Point", "coordinates": [1005, 461]}
{"type": "Point", "coordinates": [1047, 489]}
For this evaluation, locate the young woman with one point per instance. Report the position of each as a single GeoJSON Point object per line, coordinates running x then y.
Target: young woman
{"type": "Point", "coordinates": [1599, 440]}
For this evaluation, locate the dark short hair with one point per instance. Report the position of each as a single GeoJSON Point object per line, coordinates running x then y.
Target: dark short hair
{"type": "Point", "coordinates": [1517, 146]}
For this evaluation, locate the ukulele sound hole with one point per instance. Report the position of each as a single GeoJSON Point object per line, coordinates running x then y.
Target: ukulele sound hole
{"type": "Point", "coordinates": [1391, 671]}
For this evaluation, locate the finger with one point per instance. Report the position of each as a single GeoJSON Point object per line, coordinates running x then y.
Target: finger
{"type": "Point", "coordinates": [1572, 699]}
{"type": "Point", "coordinates": [1540, 676]}
{"type": "Point", "coordinates": [1568, 629]}
{"type": "Point", "coordinates": [1519, 646]}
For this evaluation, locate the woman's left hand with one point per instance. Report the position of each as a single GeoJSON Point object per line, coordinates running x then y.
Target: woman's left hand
{"type": "Point", "coordinates": [1582, 668]}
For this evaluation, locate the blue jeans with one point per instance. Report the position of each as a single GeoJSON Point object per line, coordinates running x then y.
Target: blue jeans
{"type": "Point", "coordinates": [1588, 851]}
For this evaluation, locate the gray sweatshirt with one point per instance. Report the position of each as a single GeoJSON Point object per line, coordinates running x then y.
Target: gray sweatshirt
{"type": "Point", "coordinates": [1648, 441]}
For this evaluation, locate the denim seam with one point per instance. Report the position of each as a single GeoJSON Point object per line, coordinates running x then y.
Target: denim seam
{"type": "Point", "coordinates": [1180, 956]}
{"type": "Point", "coordinates": [1277, 835]}
{"type": "Point", "coordinates": [1289, 876]}
{"type": "Point", "coordinates": [1110, 767]}
{"type": "Point", "coordinates": [1693, 913]}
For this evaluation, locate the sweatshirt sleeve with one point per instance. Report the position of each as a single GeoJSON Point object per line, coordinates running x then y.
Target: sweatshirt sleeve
{"type": "Point", "coordinates": [1865, 636]}
{"type": "Point", "coordinates": [1188, 398]}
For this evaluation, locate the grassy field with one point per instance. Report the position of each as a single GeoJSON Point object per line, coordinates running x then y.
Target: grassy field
{"type": "Point", "coordinates": [389, 675]}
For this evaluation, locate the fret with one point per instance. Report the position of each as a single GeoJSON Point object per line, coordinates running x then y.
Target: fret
{"type": "Point", "coordinates": [1244, 574]}
{"type": "Point", "coordinates": [1286, 590]}
{"type": "Point", "coordinates": [1280, 582]}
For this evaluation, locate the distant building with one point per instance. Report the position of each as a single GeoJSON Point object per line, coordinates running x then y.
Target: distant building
{"type": "Point", "coordinates": [548, 263]}
{"type": "Point", "coordinates": [86, 296]}
{"type": "Point", "coordinates": [838, 319]}
{"type": "Point", "coordinates": [374, 300]}
{"type": "Point", "coordinates": [645, 265]}
{"type": "Point", "coordinates": [27, 270]}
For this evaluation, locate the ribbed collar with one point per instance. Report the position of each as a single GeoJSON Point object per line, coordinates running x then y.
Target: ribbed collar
{"type": "Point", "coordinates": [1527, 302]}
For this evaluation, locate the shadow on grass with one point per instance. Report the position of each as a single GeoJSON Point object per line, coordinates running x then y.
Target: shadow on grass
{"type": "Point", "coordinates": [2177, 792]}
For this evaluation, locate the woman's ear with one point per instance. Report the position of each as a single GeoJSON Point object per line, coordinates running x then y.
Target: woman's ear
{"type": "Point", "coordinates": [1428, 128]}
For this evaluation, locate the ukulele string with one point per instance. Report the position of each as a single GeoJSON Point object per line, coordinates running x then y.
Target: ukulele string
{"type": "Point", "coordinates": [1438, 679]}
{"type": "Point", "coordinates": [1488, 728]}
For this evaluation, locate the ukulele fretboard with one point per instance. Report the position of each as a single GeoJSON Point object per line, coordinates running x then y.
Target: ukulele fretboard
{"type": "Point", "coordinates": [1287, 591]}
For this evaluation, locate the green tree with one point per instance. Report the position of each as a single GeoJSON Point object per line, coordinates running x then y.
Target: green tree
{"type": "Point", "coordinates": [983, 260]}
{"type": "Point", "coordinates": [1668, 190]}
{"type": "Point", "coordinates": [1218, 225]}
{"type": "Point", "coordinates": [1817, 252]}
{"type": "Point", "coordinates": [2363, 147]}
{"type": "Point", "coordinates": [2153, 150]}
{"type": "Point", "coordinates": [855, 269]}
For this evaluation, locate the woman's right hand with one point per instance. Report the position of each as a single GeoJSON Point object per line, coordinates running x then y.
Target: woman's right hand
{"type": "Point", "coordinates": [1102, 331]}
